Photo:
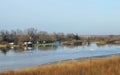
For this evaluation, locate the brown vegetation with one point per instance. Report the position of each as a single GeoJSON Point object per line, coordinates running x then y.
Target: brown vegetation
{"type": "Point", "coordinates": [19, 36]}
{"type": "Point", "coordinates": [99, 66]}
{"type": "Point", "coordinates": [73, 42]}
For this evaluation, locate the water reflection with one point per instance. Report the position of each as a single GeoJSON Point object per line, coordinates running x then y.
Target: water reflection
{"type": "Point", "coordinates": [4, 50]}
{"type": "Point", "coordinates": [48, 48]}
{"type": "Point", "coordinates": [20, 49]}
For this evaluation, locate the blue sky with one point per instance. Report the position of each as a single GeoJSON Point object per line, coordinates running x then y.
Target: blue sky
{"type": "Point", "coordinates": [68, 16]}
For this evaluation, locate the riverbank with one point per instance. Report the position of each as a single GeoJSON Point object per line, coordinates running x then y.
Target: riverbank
{"type": "Point", "coordinates": [96, 66]}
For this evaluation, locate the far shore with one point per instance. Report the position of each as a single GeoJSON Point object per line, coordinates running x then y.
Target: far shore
{"type": "Point", "coordinates": [102, 65]}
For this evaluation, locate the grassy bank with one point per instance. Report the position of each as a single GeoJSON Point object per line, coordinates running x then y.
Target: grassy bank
{"type": "Point", "coordinates": [44, 45]}
{"type": "Point", "coordinates": [99, 66]}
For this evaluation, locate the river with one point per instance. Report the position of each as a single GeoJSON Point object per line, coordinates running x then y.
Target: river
{"type": "Point", "coordinates": [16, 59]}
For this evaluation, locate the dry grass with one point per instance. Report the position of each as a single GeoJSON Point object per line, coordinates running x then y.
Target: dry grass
{"type": "Point", "coordinates": [101, 66]}
{"type": "Point", "coordinates": [73, 42]}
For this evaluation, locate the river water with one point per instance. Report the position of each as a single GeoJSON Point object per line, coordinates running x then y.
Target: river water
{"type": "Point", "coordinates": [16, 59]}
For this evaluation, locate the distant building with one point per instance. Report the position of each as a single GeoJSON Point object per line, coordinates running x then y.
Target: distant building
{"type": "Point", "coordinates": [28, 44]}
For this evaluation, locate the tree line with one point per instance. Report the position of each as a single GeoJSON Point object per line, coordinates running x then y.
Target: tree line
{"type": "Point", "coordinates": [31, 34]}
